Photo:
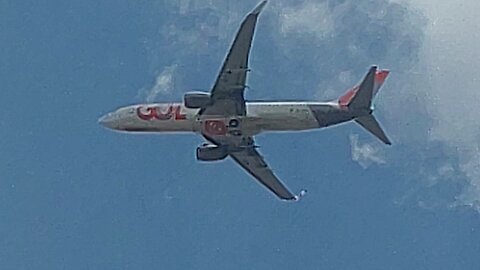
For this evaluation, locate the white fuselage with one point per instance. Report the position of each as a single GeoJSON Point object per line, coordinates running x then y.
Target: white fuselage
{"type": "Point", "coordinates": [260, 116]}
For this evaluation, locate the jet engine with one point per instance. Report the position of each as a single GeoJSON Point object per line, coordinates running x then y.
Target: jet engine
{"type": "Point", "coordinates": [196, 100]}
{"type": "Point", "coordinates": [211, 152]}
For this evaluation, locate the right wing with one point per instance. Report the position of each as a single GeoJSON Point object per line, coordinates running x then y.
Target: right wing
{"type": "Point", "coordinates": [253, 162]}
{"type": "Point", "coordinates": [227, 95]}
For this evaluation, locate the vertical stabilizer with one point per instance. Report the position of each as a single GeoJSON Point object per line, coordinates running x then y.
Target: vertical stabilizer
{"type": "Point", "coordinates": [362, 99]}
{"type": "Point", "coordinates": [358, 100]}
{"type": "Point", "coordinates": [379, 78]}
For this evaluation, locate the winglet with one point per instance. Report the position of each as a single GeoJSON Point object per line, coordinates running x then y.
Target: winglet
{"type": "Point", "coordinates": [259, 8]}
{"type": "Point", "coordinates": [300, 195]}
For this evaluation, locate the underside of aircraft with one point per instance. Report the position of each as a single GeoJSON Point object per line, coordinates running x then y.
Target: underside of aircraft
{"type": "Point", "coordinates": [229, 123]}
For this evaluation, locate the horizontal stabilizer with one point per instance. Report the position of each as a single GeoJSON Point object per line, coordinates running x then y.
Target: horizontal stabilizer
{"type": "Point", "coordinates": [370, 123]}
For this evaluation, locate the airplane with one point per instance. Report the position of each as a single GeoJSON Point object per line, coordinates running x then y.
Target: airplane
{"type": "Point", "coordinates": [229, 122]}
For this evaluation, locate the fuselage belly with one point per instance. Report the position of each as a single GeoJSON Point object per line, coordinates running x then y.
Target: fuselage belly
{"type": "Point", "coordinates": [260, 117]}
{"type": "Point", "coordinates": [228, 123]}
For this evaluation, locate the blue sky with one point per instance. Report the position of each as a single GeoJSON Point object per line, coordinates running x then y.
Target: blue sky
{"type": "Point", "coordinates": [76, 196]}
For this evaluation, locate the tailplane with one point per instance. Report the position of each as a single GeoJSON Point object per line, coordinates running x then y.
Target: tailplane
{"type": "Point", "coordinates": [358, 100]}
{"type": "Point", "coordinates": [371, 124]}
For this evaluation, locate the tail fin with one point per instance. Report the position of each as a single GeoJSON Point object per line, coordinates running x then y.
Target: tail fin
{"type": "Point", "coordinates": [379, 77]}
{"type": "Point", "coordinates": [359, 101]}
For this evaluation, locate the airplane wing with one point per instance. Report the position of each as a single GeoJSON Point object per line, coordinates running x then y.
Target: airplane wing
{"type": "Point", "coordinates": [244, 152]}
{"type": "Point", "coordinates": [227, 99]}
{"type": "Point", "coordinates": [227, 94]}
{"type": "Point", "coordinates": [253, 162]}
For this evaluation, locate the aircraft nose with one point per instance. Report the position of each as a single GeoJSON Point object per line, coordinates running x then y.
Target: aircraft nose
{"type": "Point", "coordinates": [108, 121]}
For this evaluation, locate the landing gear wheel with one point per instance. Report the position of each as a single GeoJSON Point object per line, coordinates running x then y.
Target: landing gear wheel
{"type": "Point", "coordinates": [236, 133]}
{"type": "Point", "coordinates": [233, 123]}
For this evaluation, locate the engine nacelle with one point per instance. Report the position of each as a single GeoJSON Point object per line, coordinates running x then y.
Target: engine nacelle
{"type": "Point", "coordinates": [196, 100]}
{"type": "Point", "coordinates": [211, 152]}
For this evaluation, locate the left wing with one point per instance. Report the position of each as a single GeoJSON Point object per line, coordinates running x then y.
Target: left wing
{"type": "Point", "coordinates": [244, 152]}
{"type": "Point", "coordinates": [227, 95]}
{"type": "Point", "coordinates": [253, 162]}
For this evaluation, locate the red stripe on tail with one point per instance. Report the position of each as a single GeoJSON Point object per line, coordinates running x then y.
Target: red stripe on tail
{"type": "Point", "coordinates": [380, 77]}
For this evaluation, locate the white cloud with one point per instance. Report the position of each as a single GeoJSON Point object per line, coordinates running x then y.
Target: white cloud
{"type": "Point", "coordinates": [471, 167]}
{"type": "Point", "coordinates": [310, 18]}
{"type": "Point", "coordinates": [451, 55]}
{"type": "Point", "coordinates": [164, 84]}
{"type": "Point", "coordinates": [365, 154]}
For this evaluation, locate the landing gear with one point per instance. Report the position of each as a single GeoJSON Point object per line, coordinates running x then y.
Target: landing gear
{"type": "Point", "coordinates": [233, 123]}
{"type": "Point", "coordinates": [234, 127]}
{"type": "Point", "coordinates": [236, 133]}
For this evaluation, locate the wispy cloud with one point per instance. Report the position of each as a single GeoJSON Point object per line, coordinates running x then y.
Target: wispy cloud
{"type": "Point", "coordinates": [310, 18]}
{"type": "Point", "coordinates": [452, 58]}
{"type": "Point", "coordinates": [164, 84]}
{"type": "Point", "coordinates": [365, 154]}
